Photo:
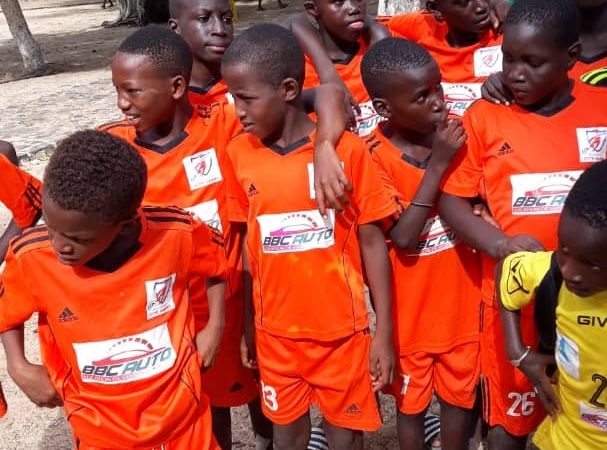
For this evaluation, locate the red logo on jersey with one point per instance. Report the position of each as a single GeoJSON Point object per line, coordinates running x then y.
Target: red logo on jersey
{"type": "Point", "coordinates": [596, 140]}
{"type": "Point", "coordinates": [202, 163]}
{"type": "Point", "coordinates": [161, 290]}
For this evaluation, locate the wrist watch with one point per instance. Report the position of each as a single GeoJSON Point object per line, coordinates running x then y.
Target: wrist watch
{"type": "Point", "coordinates": [517, 362]}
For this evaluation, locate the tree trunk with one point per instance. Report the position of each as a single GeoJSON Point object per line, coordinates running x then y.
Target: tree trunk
{"type": "Point", "coordinates": [33, 60]}
{"type": "Point", "coordinates": [140, 12]}
{"type": "Point", "coordinates": [393, 7]}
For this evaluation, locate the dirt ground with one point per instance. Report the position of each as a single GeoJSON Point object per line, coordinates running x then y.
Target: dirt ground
{"type": "Point", "coordinates": [36, 113]}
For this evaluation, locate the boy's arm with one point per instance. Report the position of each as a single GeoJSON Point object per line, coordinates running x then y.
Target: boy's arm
{"type": "Point", "coordinates": [375, 30]}
{"type": "Point", "coordinates": [378, 270]}
{"type": "Point", "coordinates": [208, 339]}
{"type": "Point", "coordinates": [495, 91]}
{"type": "Point", "coordinates": [449, 139]}
{"type": "Point", "coordinates": [32, 379]}
{"type": "Point", "coordinates": [10, 232]}
{"type": "Point", "coordinates": [531, 363]}
{"type": "Point", "coordinates": [248, 354]}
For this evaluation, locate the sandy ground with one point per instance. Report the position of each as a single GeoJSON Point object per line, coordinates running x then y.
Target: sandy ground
{"type": "Point", "coordinates": [36, 113]}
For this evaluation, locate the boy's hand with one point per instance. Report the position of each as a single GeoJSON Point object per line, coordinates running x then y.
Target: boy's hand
{"type": "Point", "coordinates": [449, 138]}
{"type": "Point", "coordinates": [517, 243]}
{"type": "Point", "coordinates": [494, 90]}
{"type": "Point", "coordinates": [330, 182]}
{"type": "Point", "coordinates": [248, 356]}
{"type": "Point", "coordinates": [381, 362]}
{"type": "Point", "coordinates": [534, 367]}
{"type": "Point", "coordinates": [34, 381]}
{"type": "Point", "coordinates": [499, 10]}
{"type": "Point", "coordinates": [481, 210]}
{"type": "Point", "coordinates": [207, 342]}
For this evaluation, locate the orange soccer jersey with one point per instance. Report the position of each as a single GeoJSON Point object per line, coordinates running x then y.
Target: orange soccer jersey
{"type": "Point", "coordinates": [525, 175]}
{"type": "Point", "coordinates": [349, 71]}
{"type": "Point", "coordinates": [438, 283]}
{"type": "Point", "coordinates": [584, 66]}
{"type": "Point", "coordinates": [307, 269]}
{"type": "Point", "coordinates": [127, 336]}
{"type": "Point", "coordinates": [20, 193]}
{"type": "Point", "coordinates": [205, 98]}
{"type": "Point", "coordinates": [463, 69]}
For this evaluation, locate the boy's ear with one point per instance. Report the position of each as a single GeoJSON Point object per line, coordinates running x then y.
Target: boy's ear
{"type": "Point", "coordinates": [382, 107]}
{"type": "Point", "coordinates": [174, 26]}
{"type": "Point", "coordinates": [431, 6]}
{"type": "Point", "coordinates": [573, 52]}
{"type": "Point", "coordinates": [290, 89]}
{"type": "Point", "coordinates": [311, 8]}
{"type": "Point", "coordinates": [179, 86]}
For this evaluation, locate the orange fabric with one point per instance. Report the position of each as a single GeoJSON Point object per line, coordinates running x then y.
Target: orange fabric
{"type": "Point", "coordinates": [207, 98]}
{"type": "Point", "coordinates": [439, 315]}
{"type": "Point", "coordinates": [349, 71]}
{"type": "Point", "coordinates": [463, 69]}
{"type": "Point", "coordinates": [307, 272]}
{"type": "Point", "coordinates": [126, 337]}
{"type": "Point", "coordinates": [453, 376]}
{"type": "Point", "coordinates": [582, 67]}
{"type": "Point", "coordinates": [525, 175]}
{"type": "Point", "coordinates": [509, 399]}
{"type": "Point", "coordinates": [20, 193]}
{"type": "Point", "coordinates": [295, 373]}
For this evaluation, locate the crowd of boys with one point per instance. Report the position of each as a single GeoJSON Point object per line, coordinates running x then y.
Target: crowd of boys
{"type": "Point", "coordinates": [213, 249]}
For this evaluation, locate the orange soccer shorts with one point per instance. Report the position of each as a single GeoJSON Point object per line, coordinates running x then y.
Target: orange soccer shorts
{"type": "Point", "coordinates": [452, 375]}
{"type": "Point", "coordinates": [199, 436]}
{"type": "Point", "coordinates": [509, 398]}
{"type": "Point", "coordinates": [298, 372]}
{"type": "Point", "coordinates": [228, 383]}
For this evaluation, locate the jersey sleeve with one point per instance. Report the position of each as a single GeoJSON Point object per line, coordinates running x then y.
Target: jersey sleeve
{"type": "Point", "coordinates": [17, 304]}
{"type": "Point", "coordinates": [237, 200]}
{"type": "Point", "coordinates": [208, 255]}
{"type": "Point", "coordinates": [373, 200]}
{"type": "Point", "coordinates": [521, 275]}
{"type": "Point", "coordinates": [20, 192]}
{"type": "Point", "coordinates": [465, 174]}
{"type": "Point", "coordinates": [407, 26]}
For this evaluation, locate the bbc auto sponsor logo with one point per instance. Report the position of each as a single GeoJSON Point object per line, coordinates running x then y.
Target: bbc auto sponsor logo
{"type": "Point", "coordinates": [592, 144]}
{"type": "Point", "coordinates": [202, 169]}
{"type": "Point", "coordinates": [541, 193]}
{"type": "Point", "coordinates": [126, 359]}
{"type": "Point", "coordinates": [297, 231]}
{"type": "Point", "coordinates": [434, 238]}
{"type": "Point", "coordinates": [367, 120]}
{"type": "Point", "coordinates": [459, 96]}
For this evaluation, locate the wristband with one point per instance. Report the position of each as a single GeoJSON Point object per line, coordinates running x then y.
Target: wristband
{"type": "Point", "coordinates": [422, 205]}
{"type": "Point", "coordinates": [517, 362]}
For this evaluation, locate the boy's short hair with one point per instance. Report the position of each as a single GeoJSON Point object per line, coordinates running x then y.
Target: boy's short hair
{"type": "Point", "coordinates": [271, 50]}
{"type": "Point", "coordinates": [560, 18]}
{"type": "Point", "coordinates": [588, 197]}
{"type": "Point", "coordinates": [95, 173]}
{"type": "Point", "coordinates": [389, 58]}
{"type": "Point", "coordinates": [168, 52]}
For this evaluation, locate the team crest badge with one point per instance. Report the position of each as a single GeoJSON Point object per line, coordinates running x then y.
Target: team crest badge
{"type": "Point", "coordinates": [202, 169]}
{"type": "Point", "coordinates": [159, 296]}
{"type": "Point", "coordinates": [487, 60]}
{"type": "Point", "coordinates": [592, 144]}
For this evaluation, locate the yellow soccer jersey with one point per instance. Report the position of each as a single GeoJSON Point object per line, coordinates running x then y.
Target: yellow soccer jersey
{"type": "Point", "coordinates": [581, 354]}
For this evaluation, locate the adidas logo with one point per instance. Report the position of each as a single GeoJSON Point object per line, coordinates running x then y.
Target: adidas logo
{"type": "Point", "coordinates": [353, 409]}
{"type": "Point", "coordinates": [67, 316]}
{"type": "Point", "coordinates": [236, 387]}
{"type": "Point", "coordinates": [252, 190]}
{"type": "Point", "coordinates": [505, 149]}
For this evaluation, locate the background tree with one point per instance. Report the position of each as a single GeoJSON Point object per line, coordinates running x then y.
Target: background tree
{"type": "Point", "coordinates": [33, 60]}
{"type": "Point", "coordinates": [140, 12]}
{"type": "Point", "coordinates": [393, 7]}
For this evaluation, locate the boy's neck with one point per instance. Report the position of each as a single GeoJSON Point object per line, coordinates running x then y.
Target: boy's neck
{"type": "Point", "coordinates": [593, 31]}
{"type": "Point", "coordinates": [337, 49]}
{"type": "Point", "coordinates": [414, 144]}
{"type": "Point", "coordinates": [204, 74]}
{"type": "Point", "coordinates": [458, 39]}
{"type": "Point", "coordinates": [164, 133]}
{"type": "Point", "coordinates": [119, 252]}
{"type": "Point", "coordinates": [558, 101]}
{"type": "Point", "coordinates": [296, 126]}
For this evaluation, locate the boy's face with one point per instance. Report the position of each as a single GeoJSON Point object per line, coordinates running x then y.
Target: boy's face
{"type": "Point", "coordinates": [207, 27]}
{"type": "Point", "coordinates": [582, 256]}
{"type": "Point", "coordinates": [417, 103]}
{"type": "Point", "coordinates": [145, 96]}
{"type": "Point", "coordinates": [468, 16]}
{"type": "Point", "coordinates": [76, 237]}
{"type": "Point", "coordinates": [260, 106]}
{"type": "Point", "coordinates": [534, 66]}
{"type": "Point", "coordinates": [344, 19]}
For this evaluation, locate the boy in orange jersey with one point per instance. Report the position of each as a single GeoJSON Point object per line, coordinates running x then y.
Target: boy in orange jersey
{"type": "Point", "coordinates": [206, 25]}
{"type": "Point", "coordinates": [522, 160]}
{"type": "Point", "coordinates": [115, 283]}
{"type": "Point", "coordinates": [593, 50]}
{"type": "Point", "coordinates": [309, 305]}
{"type": "Point", "coordinates": [19, 192]}
{"type": "Point", "coordinates": [185, 156]}
{"type": "Point", "coordinates": [436, 327]}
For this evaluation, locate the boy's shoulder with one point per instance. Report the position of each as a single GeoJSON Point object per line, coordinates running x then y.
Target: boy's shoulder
{"type": "Point", "coordinates": [118, 128]}
{"type": "Point", "coordinates": [167, 218]}
{"type": "Point", "coordinates": [31, 241]}
{"type": "Point", "coordinates": [411, 24]}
